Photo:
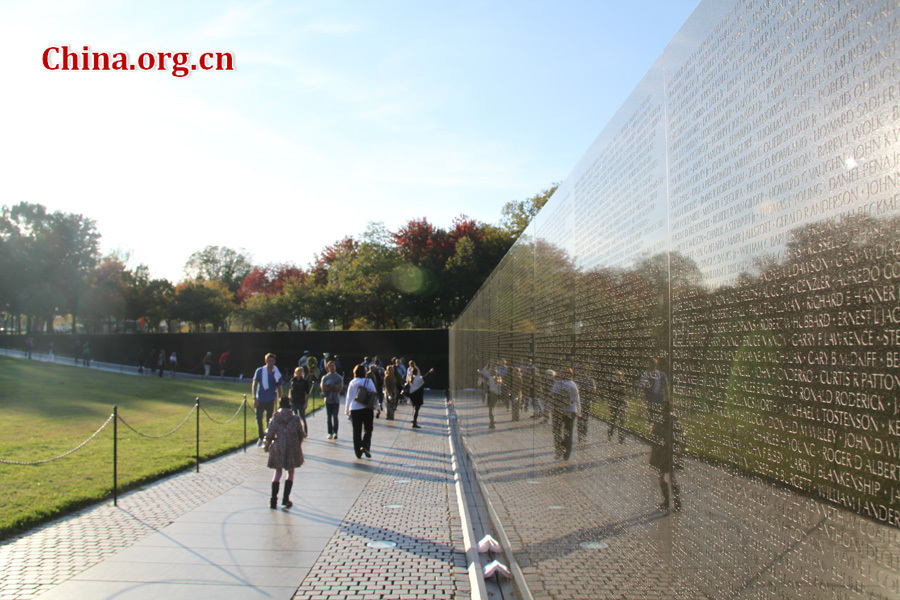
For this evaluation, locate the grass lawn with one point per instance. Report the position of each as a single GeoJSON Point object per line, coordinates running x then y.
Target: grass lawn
{"type": "Point", "coordinates": [49, 409]}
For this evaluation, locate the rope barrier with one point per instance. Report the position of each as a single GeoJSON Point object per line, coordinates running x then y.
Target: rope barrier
{"type": "Point", "coordinates": [233, 417]}
{"type": "Point", "coordinates": [157, 437]}
{"type": "Point", "coordinates": [76, 448]}
{"type": "Point", "coordinates": [118, 418]}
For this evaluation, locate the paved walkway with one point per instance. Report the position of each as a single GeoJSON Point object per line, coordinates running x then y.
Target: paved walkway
{"type": "Point", "coordinates": [585, 529]}
{"type": "Point", "coordinates": [212, 534]}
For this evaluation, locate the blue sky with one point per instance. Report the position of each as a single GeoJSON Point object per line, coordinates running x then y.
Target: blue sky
{"type": "Point", "coordinates": [337, 114]}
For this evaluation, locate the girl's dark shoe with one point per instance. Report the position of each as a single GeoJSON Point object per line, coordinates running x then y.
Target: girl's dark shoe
{"type": "Point", "coordinates": [286, 500]}
{"type": "Point", "coordinates": [273, 501]}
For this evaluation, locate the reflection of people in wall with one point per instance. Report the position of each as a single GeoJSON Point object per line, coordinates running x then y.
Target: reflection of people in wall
{"type": "Point", "coordinates": [494, 388]}
{"type": "Point", "coordinates": [667, 439]}
{"type": "Point", "coordinates": [617, 406]}
{"type": "Point", "coordinates": [545, 382]}
{"type": "Point", "coordinates": [482, 381]}
{"type": "Point", "coordinates": [566, 405]}
{"type": "Point", "coordinates": [654, 383]}
{"type": "Point", "coordinates": [587, 387]}
{"type": "Point", "coordinates": [529, 388]}
{"type": "Point", "coordinates": [502, 370]}
{"type": "Point", "coordinates": [515, 382]}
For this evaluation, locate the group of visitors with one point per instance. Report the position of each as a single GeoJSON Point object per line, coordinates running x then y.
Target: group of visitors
{"type": "Point", "coordinates": [565, 398]}
{"type": "Point", "coordinates": [373, 389]}
{"type": "Point", "coordinates": [162, 362]}
{"type": "Point", "coordinates": [82, 352]}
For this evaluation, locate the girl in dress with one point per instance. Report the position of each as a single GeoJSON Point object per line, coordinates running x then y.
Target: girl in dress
{"type": "Point", "coordinates": [284, 438]}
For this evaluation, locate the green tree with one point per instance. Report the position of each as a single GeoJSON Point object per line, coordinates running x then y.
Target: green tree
{"type": "Point", "coordinates": [104, 295]}
{"type": "Point", "coordinates": [46, 259]}
{"type": "Point", "coordinates": [264, 312]}
{"type": "Point", "coordinates": [157, 298]}
{"type": "Point", "coordinates": [517, 214]}
{"type": "Point", "coordinates": [219, 263]}
{"type": "Point", "coordinates": [202, 302]}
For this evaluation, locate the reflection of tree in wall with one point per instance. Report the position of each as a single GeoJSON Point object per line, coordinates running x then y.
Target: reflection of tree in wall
{"type": "Point", "coordinates": [624, 317]}
{"type": "Point", "coordinates": [554, 305]}
{"type": "Point", "coordinates": [790, 373]}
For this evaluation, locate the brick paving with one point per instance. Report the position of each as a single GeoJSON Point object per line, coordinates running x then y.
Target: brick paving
{"type": "Point", "coordinates": [410, 501]}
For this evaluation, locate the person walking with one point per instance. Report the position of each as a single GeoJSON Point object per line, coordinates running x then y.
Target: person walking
{"type": "Point", "coordinates": [416, 391]}
{"type": "Point", "coordinates": [223, 362]}
{"type": "Point", "coordinates": [207, 364]}
{"type": "Point", "coordinates": [299, 392]}
{"type": "Point", "coordinates": [332, 383]}
{"type": "Point", "coordinates": [377, 378]}
{"type": "Point", "coordinates": [265, 388]}
{"type": "Point", "coordinates": [361, 413]}
{"type": "Point", "coordinates": [390, 391]}
{"type": "Point", "coordinates": [284, 439]}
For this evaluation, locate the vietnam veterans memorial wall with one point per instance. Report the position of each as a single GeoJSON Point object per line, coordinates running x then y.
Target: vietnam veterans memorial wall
{"type": "Point", "coordinates": [739, 221]}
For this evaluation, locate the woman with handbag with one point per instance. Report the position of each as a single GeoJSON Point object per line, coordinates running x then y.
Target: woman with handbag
{"type": "Point", "coordinates": [360, 407]}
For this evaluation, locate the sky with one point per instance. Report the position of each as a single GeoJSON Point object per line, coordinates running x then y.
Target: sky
{"type": "Point", "coordinates": [336, 114]}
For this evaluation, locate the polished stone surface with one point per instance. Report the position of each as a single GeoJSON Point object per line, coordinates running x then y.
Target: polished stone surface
{"type": "Point", "coordinates": [738, 222]}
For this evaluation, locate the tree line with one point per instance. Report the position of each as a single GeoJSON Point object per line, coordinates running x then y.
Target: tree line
{"type": "Point", "coordinates": [420, 275]}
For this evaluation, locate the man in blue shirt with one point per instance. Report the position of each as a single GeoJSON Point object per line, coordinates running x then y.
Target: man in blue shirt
{"type": "Point", "coordinates": [266, 389]}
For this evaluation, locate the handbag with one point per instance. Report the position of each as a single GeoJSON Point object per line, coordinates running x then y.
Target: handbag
{"type": "Point", "coordinates": [366, 397]}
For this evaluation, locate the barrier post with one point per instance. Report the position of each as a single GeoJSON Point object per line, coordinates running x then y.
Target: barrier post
{"type": "Point", "coordinates": [198, 433]}
{"type": "Point", "coordinates": [245, 422]}
{"type": "Point", "coordinates": [116, 455]}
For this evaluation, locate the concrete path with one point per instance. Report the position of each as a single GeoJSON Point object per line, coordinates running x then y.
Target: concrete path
{"type": "Point", "coordinates": [212, 534]}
